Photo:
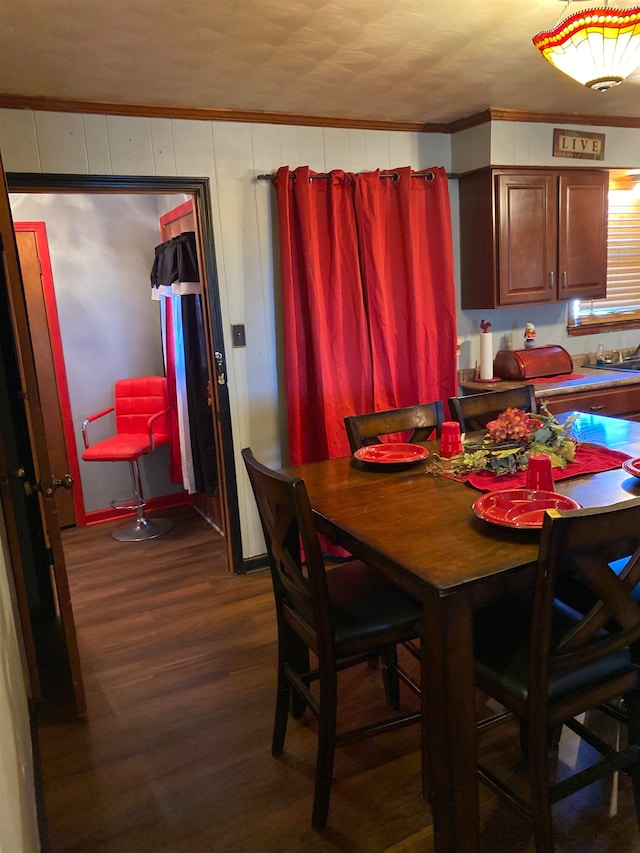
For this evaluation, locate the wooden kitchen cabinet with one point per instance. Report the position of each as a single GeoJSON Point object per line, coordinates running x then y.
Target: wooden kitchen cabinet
{"type": "Point", "coordinates": [532, 236]}
{"type": "Point", "coordinates": [621, 402]}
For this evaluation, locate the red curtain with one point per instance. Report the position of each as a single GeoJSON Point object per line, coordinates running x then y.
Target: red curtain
{"type": "Point", "coordinates": [326, 348]}
{"type": "Point", "coordinates": [404, 225]}
{"type": "Point", "coordinates": [368, 299]}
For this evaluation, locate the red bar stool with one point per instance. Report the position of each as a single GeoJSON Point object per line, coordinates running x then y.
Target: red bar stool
{"type": "Point", "coordinates": [142, 424]}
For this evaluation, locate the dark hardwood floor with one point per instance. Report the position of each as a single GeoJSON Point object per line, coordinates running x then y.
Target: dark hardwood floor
{"type": "Point", "coordinates": [174, 755]}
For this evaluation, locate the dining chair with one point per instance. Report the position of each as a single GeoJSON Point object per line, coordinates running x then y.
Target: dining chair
{"type": "Point", "coordinates": [474, 411]}
{"type": "Point", "coordinates": [419, 421]}
{"type": "Point", "coordinates": [344, 616]}
{"type": "Point", "coordinates": [411, 423]}
{"type": "Point", "coordinates": [572, 591]}
{"type": "Point", "coordinates": [548, 663]}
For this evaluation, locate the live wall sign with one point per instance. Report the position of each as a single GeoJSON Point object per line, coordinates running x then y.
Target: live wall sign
{"type": "Point", "coordinates": [578, 144]}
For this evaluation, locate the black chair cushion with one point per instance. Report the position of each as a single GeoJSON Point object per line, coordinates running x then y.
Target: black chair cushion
{"type": "Point", "coordinates": [365, 604]}
{"type": "Point", "coordinates": [501, 639]}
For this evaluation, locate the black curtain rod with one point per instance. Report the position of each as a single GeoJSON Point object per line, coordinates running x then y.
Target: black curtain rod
{"type": "Point", "coordinates": [429, 176]}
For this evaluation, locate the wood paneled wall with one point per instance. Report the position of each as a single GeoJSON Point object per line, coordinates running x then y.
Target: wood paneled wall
{"type": "Point", "coordinates": [231, 155]}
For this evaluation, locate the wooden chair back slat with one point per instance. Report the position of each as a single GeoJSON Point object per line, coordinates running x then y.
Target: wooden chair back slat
{"type": "Point", "coordinates": [419, 422]}
{"type": "Point", "coordinates": [580, 542]}
{"type": "Point", "coordinates": [474, 411]}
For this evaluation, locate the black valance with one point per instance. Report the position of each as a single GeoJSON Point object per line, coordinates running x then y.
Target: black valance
{"type": "Point", "coordinates": [175, 266]}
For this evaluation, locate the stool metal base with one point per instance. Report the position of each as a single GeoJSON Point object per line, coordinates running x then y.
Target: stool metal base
{"type": "Point", "coordinates": [142, 529]}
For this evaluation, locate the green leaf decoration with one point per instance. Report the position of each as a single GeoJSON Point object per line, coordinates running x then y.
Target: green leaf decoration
{"type": "Point", "coordinates": [516, 436]}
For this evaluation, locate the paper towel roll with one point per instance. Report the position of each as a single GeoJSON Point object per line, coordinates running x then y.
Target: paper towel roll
{"type": "Point", "coordinates": [486, 355]}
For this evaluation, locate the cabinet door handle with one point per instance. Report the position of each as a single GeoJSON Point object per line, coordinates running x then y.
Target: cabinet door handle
{"type": "Point", "coordinates": [551, 279]}
{"type": "Point", "coordinates": [596, 408]}
{"type": "Point", "coordinates": [564, 279]}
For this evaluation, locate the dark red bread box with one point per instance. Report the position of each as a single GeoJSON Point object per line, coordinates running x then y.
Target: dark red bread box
{"type": "Point", "coordinates": [523, 364]}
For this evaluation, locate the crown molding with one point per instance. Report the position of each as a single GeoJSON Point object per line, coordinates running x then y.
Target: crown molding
{"type": "Point", "coordinates": [493, 114]}
{"type": "Point", "coordinates": [62, 105]}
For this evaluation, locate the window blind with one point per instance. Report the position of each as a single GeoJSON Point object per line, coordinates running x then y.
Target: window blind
{"type": "Point", "coordinates": [623, 263]}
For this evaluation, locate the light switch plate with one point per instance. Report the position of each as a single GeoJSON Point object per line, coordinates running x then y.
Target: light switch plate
{"type": "Point", "coordinates": [238, 335]}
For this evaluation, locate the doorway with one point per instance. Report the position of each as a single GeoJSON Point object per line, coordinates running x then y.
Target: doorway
{"type": "Point", "coordinates": [175, 189]}
{"type": "Point", "coordinates": [187, 317]}
{"type": "Point", "coordinates": [52, 558]}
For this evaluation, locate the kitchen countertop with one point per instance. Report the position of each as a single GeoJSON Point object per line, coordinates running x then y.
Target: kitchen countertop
{"type": "Point", "coordinates": [592, 379]}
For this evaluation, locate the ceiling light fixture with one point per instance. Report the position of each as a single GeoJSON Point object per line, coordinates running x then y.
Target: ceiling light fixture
{"type": "Point", "coordinates": [597, 47]}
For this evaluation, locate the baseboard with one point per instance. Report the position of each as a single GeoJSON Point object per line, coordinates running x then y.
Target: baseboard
{"type": "Point", "coordinates": [254, 564]}
{"type": "Point", "coordinates": [99, 516]}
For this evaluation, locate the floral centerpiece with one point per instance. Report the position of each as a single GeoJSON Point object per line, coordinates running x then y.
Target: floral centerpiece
{"type": "Point", "coordinates": [511, 438]}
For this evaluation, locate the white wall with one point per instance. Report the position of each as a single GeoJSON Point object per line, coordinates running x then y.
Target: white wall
{"type": "Point", "coordinates": [18, 817]}
{"type": "Point", "coordinates": [524, 143]}
{"type": "Point", "coordinates": [101, 248]}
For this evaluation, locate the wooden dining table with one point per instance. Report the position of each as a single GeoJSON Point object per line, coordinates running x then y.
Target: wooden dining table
{"type": "Point", "coordinates": [420, 530]}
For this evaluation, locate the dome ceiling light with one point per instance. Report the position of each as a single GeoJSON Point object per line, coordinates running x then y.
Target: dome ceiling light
{"type": "Point", "coordinates": [598, 47]}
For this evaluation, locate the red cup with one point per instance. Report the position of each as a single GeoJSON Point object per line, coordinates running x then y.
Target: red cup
{"type": "Point", "coordinates": [450, 439]}
{"type": "Point", "coordinates": [539, 476]}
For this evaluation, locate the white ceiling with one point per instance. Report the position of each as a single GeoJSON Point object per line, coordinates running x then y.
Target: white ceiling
{"type": "Point", "coordinates": [423, 61]}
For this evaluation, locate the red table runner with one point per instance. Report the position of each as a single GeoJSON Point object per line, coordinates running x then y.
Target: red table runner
{"type": "Point", "coordinates": [589, 459]}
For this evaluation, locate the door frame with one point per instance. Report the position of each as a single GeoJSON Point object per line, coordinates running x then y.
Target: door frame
{"type": "Point", "coordinates": [27, 484]}
{"type": "Point", "coordinates": [199, 188]}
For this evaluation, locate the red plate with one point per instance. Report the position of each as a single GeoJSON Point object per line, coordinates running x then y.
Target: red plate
{"type": "Point", "coordinates": [520, 508]}
{"type": "Point", "coordinates": [391, 453]}
{"type": "Point", "coordinates": [632, 466]}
